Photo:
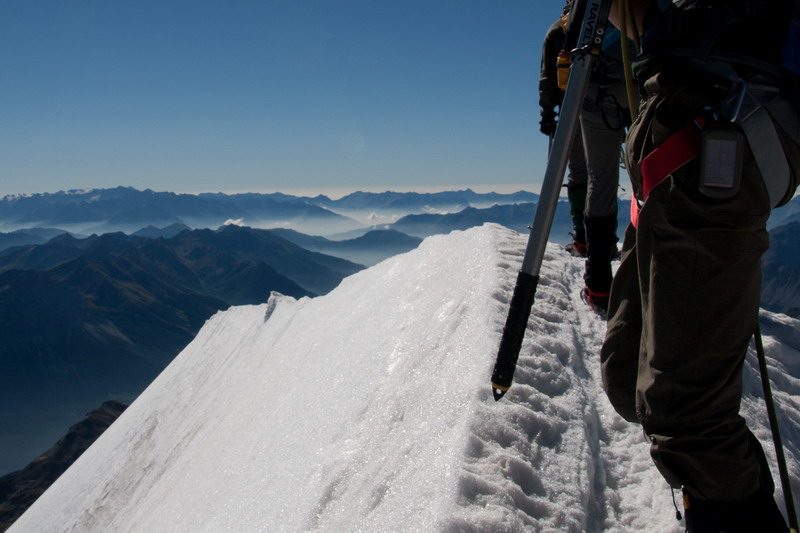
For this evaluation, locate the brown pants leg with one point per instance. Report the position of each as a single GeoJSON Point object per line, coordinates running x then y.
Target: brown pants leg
{"type": "Point", "coordinates": [683, 308]}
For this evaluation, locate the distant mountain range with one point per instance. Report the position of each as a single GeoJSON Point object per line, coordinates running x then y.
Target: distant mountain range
{"type": "Point", "coordinates": [22, 237]}
{"type": "Point", "coordinates": [167, 232]}
{"type": "Point", "coordinates": [87, 320]}
{"type": "Point", "coordinates": [368, 249]}
{"type": "Point", "coordinates": [412, 202]}
{"type": "Point", "coordinates": [515, 216]}
{"type": "Point", "coordinates": [127, 209]}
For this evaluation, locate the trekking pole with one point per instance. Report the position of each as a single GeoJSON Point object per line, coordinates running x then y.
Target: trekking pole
{"type": "Point", "coordinates": [590, 38]}
{"type": "Point", "coordinates": [776, 432]}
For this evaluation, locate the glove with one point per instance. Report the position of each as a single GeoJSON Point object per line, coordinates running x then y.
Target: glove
{"type": "Point", "coordinates": [548, 123]}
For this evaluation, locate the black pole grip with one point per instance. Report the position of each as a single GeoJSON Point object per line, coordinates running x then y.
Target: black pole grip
{"type": "Point", "coordinates": [513, 333]}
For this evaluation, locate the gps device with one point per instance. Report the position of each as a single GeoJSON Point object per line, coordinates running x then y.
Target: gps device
{"type": "Point", "coordinates": [721, 148]}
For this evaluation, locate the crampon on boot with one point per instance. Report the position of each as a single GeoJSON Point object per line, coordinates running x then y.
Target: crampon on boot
{"type": "Point", "coordinates": [577, 249]}
{"type": "Point", "coordinates": [598, 301]}
{"type": "Point", "coordinates": [578, 245]}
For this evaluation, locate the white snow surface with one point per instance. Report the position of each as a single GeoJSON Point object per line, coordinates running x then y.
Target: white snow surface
{"type": "Point", "coordinates": [369, 409]}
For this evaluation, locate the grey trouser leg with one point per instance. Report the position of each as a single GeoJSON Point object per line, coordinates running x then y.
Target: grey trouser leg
{"type": "Point", "coordinates": [602, 148]}
{"type": "Point", "coordinates": [576, 165]}
{"type": "Point", "coordinates": [576, 184]}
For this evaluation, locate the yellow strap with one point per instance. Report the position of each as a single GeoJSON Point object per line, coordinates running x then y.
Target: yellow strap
{"type": "Point", "coordinates": [624, 12]}
{"type": "Point", "coordinates": [499, 387]}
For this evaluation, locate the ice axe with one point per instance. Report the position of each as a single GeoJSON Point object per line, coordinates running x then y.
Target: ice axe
{"type": "Point", "coordinates": [593, 24]}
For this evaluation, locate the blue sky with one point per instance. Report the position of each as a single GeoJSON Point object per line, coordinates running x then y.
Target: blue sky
{"type": "Point", "coordinates": [271, 95]}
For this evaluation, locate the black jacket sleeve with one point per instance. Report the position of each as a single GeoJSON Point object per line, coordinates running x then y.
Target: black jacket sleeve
{"type": "Point", "coordinates": [550, 96]}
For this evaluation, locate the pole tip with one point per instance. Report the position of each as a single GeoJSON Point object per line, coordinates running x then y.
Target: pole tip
{"type": "Point", "coordinates": [498, 392]}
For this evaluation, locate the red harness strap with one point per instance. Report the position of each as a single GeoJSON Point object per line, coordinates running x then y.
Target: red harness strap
{"type": "Point", "coordinates": [679, 148]}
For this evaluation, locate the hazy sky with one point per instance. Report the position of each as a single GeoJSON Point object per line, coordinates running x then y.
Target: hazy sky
{"type": "Point", "coordinates": [270, 95]}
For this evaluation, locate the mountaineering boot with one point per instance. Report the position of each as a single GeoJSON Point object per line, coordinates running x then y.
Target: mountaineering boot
{"type": "Point", "coordinates": [597, 301]}
{"type": "Point", "coordinates": [601, 242]}
{"type": "Point", "coordinates": [758, 512]}
{"type": "Point", "coordinates": [578, 245]}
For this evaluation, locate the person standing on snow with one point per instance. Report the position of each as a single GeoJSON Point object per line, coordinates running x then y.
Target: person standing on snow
{"type": "Point", "coordinates": [593, 176]}
{"type": "Point", "coordinates": [685, 299]}
{"type": "Point", "coordinates": [552, 85]}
